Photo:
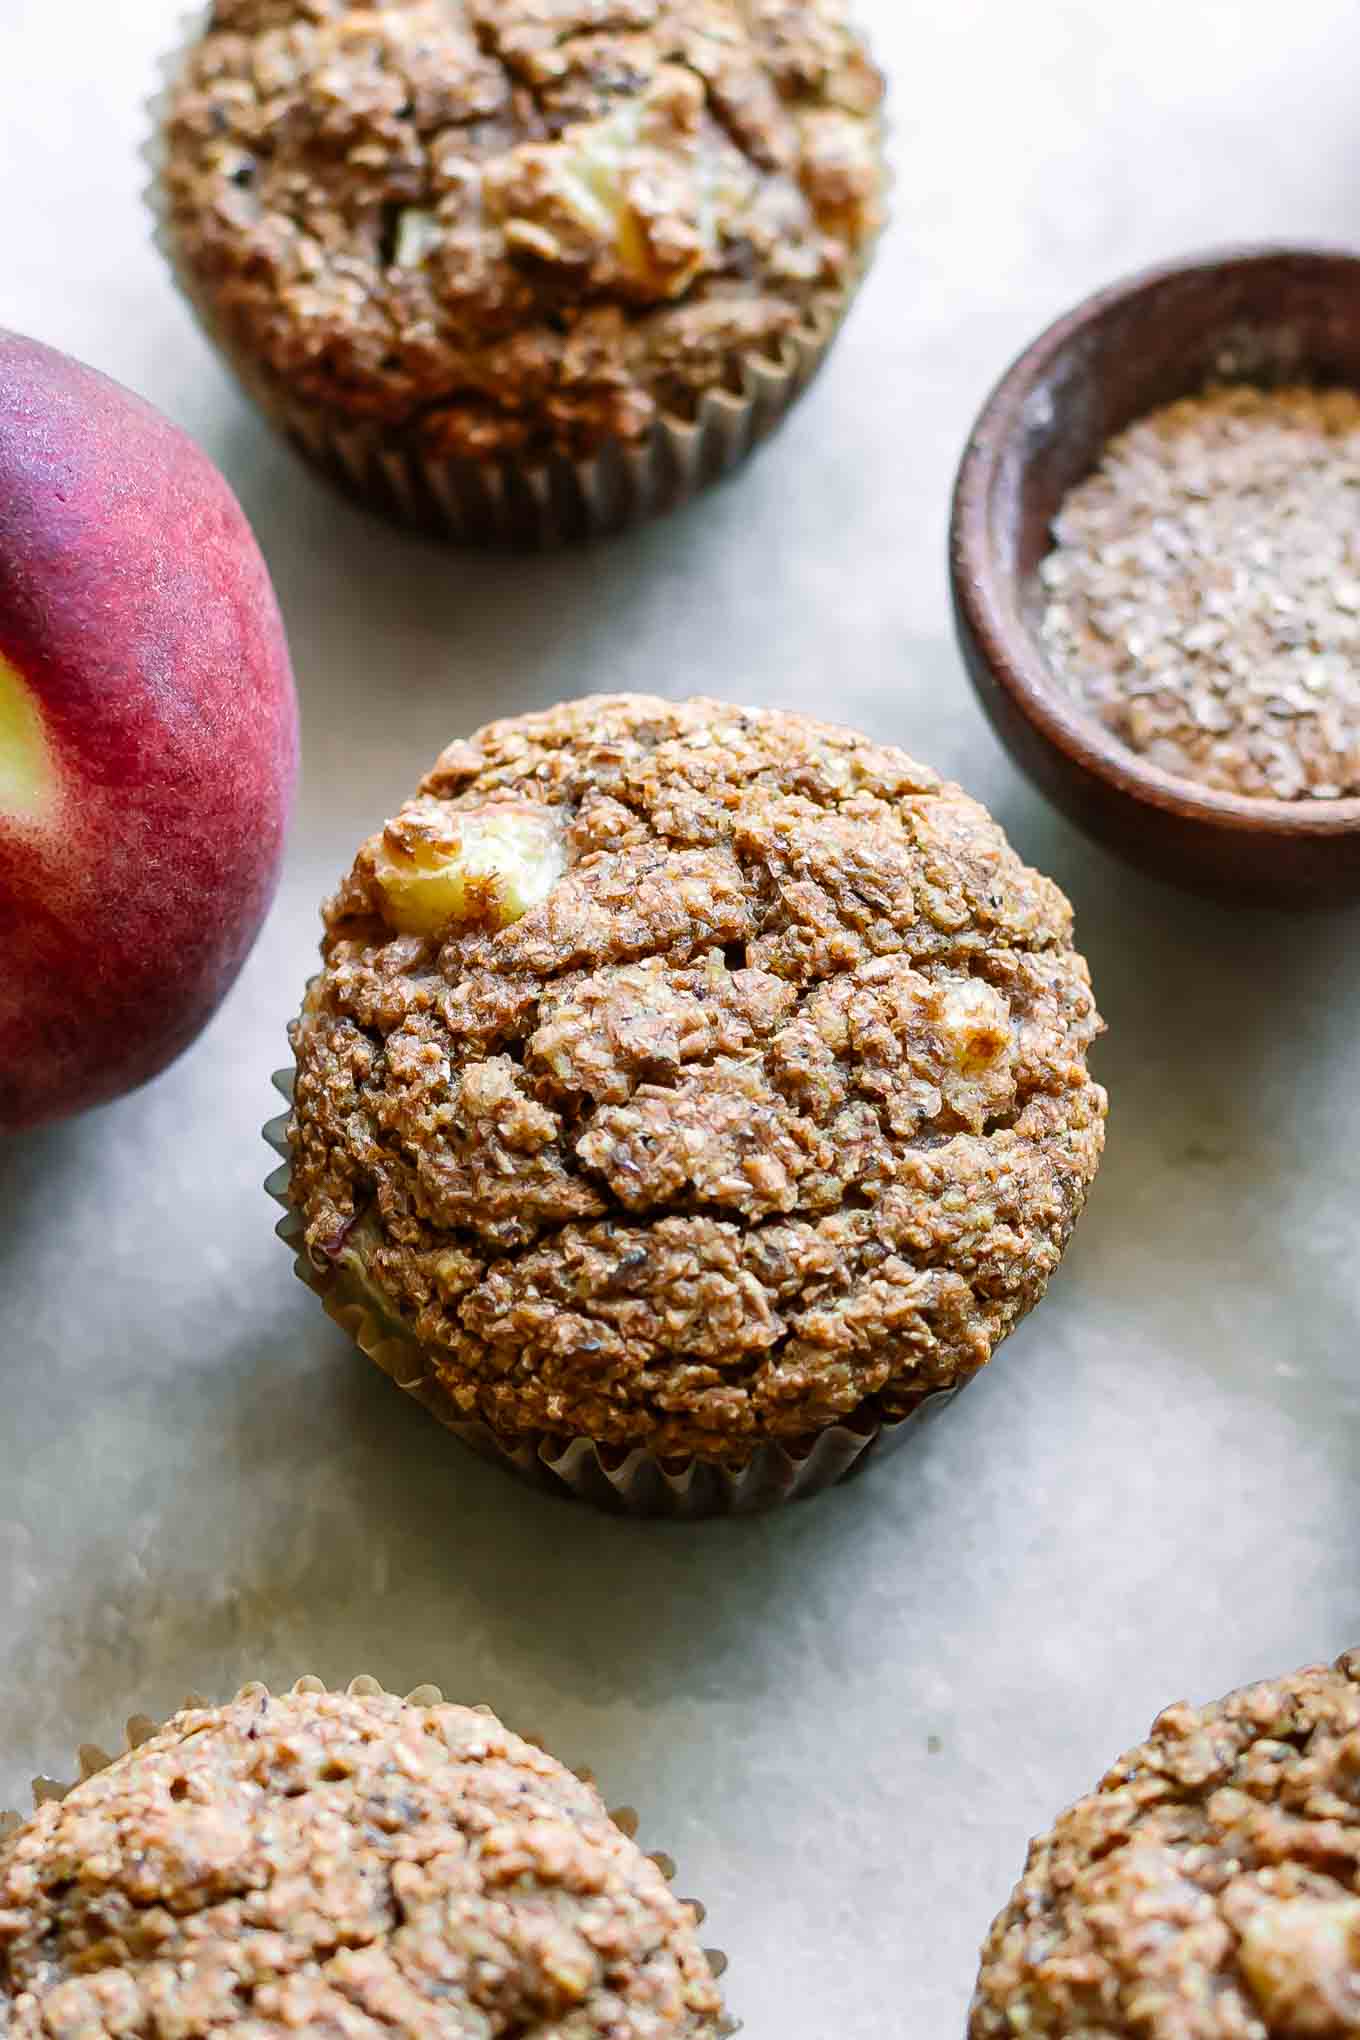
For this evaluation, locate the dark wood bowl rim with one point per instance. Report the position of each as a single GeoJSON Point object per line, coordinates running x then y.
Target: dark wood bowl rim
{"type": "Point", "coordinates": [991, 602]}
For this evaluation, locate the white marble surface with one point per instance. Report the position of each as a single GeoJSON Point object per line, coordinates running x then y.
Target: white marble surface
{"type": "Point", "coordinates": [847, 1720]}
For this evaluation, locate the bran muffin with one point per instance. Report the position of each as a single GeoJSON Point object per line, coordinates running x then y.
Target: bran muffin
{"type": "Point", "coordinates": [342, 1863]}
{"type": "Point", "coordinates": [1208, 1889]}
{"type": "Point", "coordinates": [691, 1080]}
{"type": "Point", "coordinates": [522, 268]}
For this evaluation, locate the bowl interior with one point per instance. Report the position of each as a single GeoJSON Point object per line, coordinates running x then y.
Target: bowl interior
{"type": "Point", "coordinates": [1269, 319]}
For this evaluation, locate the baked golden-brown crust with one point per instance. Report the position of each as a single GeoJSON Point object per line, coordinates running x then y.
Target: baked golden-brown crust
{"type": "Point", "coordinates": [520, 226]}
{"type": "Point", "coordinates": [762, 1097]}
{"type": "Point", "coordinates": [1209, 1889]}
{"type": "Point", "coordinates": [336, 1865]}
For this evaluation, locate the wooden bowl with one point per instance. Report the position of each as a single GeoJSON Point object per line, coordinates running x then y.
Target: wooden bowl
{"type": "Point", "coordinates": [1265, 315]}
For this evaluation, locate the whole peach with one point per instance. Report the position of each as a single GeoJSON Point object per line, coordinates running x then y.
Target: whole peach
{"type": "Point", "coordinates": [148, 737]}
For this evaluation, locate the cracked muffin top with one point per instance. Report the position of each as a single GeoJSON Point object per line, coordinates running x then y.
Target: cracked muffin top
{"type": "Point", "coordinates": [691, 1075]}
{"type": "Point", "coordinates": [520, 225]}
{"type": "Point", "coordinates": [325, 1863]}
{"type": "Point", "coordinates": [1209, 1889]}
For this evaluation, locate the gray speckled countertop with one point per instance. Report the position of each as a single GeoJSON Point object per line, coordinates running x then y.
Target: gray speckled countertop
{"type": "Point", "coordinates": [845, 1721]}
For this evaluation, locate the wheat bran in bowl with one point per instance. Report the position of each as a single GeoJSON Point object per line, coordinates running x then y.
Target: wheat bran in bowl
{"type": "Point", "coordinates": [1203, 596]}
{"type": "Point", "coordinates": [517, 273]}
{"type": "Point", "coordinates": [1276, 319]}
{"type": "Point", "coordinates": [688, 1089]}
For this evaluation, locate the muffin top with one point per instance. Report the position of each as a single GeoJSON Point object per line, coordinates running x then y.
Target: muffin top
{"type": "Point", "coordinates": [1209, 1889]}
{"type": "Point", "coordinates": [693, 1075]}
{"type": "Point", "coordinates": [332, 1863]}
{"type": "Point", "coordinates": [520, 226]}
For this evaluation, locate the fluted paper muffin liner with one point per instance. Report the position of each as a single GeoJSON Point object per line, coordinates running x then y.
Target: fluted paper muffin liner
{"type": "Point", "coordinates": [92, 1758]}
{"type": "Point", "coordinates": [503, 502]}
{"type": "Point", "coordinates": [631, 1482]}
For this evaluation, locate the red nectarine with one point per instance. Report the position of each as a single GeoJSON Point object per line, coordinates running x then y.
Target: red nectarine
{"type": "Point", "coordinates": [148, 737]}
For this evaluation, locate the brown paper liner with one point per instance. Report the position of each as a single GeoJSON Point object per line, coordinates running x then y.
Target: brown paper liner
{"type": "Point", "coordinates": [624, 1482]}
{"type": "Point", "coordinates": [504, 503]}
{"type": "Point", "coordinates": [92, 1758]}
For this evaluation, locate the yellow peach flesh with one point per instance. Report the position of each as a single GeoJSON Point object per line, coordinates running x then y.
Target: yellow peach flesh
{"type": "Point", "coordinates": [28, 776]}
{"type": "Point", "coordinates": [590, 173]}
{"type": "Point", "coordinates": [976, 1028]}
{"type": "Point", "coordinates": [502, 863]}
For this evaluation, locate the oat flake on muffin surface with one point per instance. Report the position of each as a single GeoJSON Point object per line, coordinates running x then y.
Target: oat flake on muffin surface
{"type": "Point", "coordinates": [336, 1864]}
{"type": "Point", "coordinates": [519, 226]}
{"type": "Point", "coordinates": [692, 1076]}
{"type": "Point", "coordinates": [1209, 1889]}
